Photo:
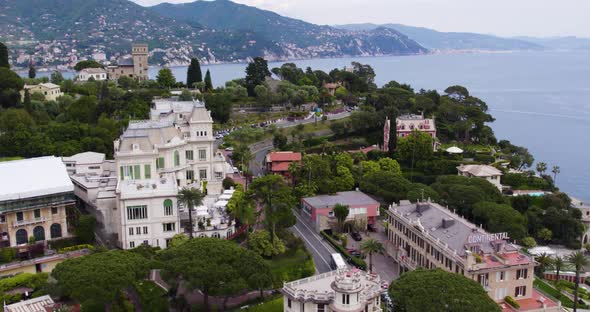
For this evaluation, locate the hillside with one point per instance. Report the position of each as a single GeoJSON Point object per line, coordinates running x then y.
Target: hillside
{"type": "Point", "coordinates": [446, 41]}
{"type": "Point", "coordinates": [561, 43]}
{"type": "Point", "coordinates": [56, 32]}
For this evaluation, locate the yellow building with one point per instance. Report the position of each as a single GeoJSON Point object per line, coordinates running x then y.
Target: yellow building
{"type": "Point", "coordinates": [35, 194]}
{"type": "Point", "coordinates": [49, 90]}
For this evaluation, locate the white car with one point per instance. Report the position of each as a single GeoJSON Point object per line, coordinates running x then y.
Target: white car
{"type": "Point", "coordinates": [236, 170]}
{"type": "Point", "coordinates": [229, 148]}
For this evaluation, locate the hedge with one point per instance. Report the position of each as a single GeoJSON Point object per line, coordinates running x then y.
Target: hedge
{"type": "Point", "coordinates": [29, 280]}
{"type": "Point", "coordinates": [76, 247]}
{"type": "Point", "coordinates": [356, 261]}
{"type": "Point", "coordinates": [512, 302]}
{"type": "Point", "coordinates": [565, 300]}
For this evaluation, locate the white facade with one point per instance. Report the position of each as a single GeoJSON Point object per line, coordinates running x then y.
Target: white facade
{"type": "Point", "coordinates": [97, 74]}
{"type": "Point", "coordinates": [148, 212]}
{"type": "Point", "coordinates": [489, 173]}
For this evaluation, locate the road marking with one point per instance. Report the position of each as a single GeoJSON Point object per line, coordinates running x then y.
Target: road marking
{"type": "Point", "coordinates": [318, 237]}
{"type": "Point", "coordinates": [312, 246]}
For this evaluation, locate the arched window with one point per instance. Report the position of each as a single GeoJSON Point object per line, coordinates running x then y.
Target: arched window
{"type": "Point", "coordinates": [229, 233]}
{"type": "Point", "coordinates": [21, 237]}
{"type": "Point", "coordinates": [215, 235]}
{"type": "Point", "coordinates": [55, 230]}
{"type": "Point", "coordinates": [39, 233]}
{"type": "Point", "coordinates": [168, 207]}
{"type": "Point", "coordinates": [176, 159]}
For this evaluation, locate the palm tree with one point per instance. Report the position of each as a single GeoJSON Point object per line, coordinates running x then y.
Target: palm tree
{"type": "Point", "coordinates": [341, 213]}
{"type": "Point", "coordinates": [543, 260]}
{"type": "Point", "coordinates": [558, 264]}
{"type": "Point", "coordinates": [369, 247]}
{"type": "Point", "coordinates": [190, 198]}
{"type": "Point", "coordinates": [556, 170]}
{"type": "Point", "coordinates": [541, 167]}
{"type": "Point", "coordinates": [579, 261]}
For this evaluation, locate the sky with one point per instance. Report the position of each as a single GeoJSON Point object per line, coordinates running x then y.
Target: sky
{"type": "Point", "coordinates": [540, 18]}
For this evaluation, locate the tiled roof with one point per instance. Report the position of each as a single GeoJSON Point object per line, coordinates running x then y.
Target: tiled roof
{"type": "Point", "coordinates": [279, 167]}
{"type": "Point", "coordinates": [480, 170]}
{"type": "Point", "coordinates": [284, 156]}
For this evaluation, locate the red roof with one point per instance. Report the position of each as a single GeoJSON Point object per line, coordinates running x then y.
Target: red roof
{"type": "Point", "coordinates": [284, 156]}
{"type": "Point", "coordinates": [284, 166]}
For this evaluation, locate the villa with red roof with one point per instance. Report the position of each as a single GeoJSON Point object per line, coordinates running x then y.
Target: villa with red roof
{"type": "Point", "coordinates": [427, 235]}
{"type": "Point", "coordinates": [278, 162]}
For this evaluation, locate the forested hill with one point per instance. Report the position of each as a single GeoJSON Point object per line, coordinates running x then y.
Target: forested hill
{"type": "Point", "coordinates": [446, 41]}
{"type": "Point", "coordinates": [216, 31]}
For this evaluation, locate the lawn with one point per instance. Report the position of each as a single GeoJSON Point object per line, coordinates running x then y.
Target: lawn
{"type": "Point", "coordinates": [10, 158]}
{"type": "Point", "coordinates": [289, 267]}
{"type": "Point", "coordinates": [274, 305]}
{"type": "Point", "coordinates": [551, 291]}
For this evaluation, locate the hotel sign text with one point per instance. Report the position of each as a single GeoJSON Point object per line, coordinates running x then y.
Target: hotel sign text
{"type": "Point", "coordinates": [482, 238]}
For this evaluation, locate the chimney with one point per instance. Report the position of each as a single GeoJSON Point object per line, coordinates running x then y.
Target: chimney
{"type": "Point", "coordinates": [447, 222]}
{"type": "Point", "coordinates": [421, 207]}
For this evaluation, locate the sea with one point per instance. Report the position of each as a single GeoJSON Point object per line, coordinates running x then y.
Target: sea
{"type": "Point", "coordinates": [541, 100]}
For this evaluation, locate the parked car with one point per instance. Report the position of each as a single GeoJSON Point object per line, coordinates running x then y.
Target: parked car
{"type": "Point", "coordinates": [229, 148]}
{"type": "Point", "coordinates": [356, 236]}
{"type": "Point", "coordinates": [236, 170]}
{"type": "Point", "coordinates": [371, 228]}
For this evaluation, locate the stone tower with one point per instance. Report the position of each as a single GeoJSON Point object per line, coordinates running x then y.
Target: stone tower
{"type": "Point", "coordinates": [140, 61]}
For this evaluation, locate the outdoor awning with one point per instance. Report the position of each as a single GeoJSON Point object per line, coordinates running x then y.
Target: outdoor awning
{"type": "Point", "coordinates": [454, 150]}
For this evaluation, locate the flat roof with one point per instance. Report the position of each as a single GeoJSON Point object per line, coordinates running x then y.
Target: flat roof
{"type": "Point", "coordinates": [86, 158]}
{"type": "Point", "coordinates": [351, 198]}
{"type": "Point", "coordinates": [33, 177]}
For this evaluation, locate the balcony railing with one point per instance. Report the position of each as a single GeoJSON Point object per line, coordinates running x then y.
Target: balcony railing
{"type": "Point", "coordinates": [28, 222]}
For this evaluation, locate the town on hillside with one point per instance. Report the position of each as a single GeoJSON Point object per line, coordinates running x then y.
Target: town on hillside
{"type": "Point", "coordinates": [290, 189]}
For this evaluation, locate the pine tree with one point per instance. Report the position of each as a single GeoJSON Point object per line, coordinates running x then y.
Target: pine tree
{"type": "Point", "coordinates": [4, 56]}
{"type": "Point", "coordinates": [32, 71]}
{"type": "Point", "coordinates": [27, 101]}
{"type": "Point", "coordinates": [208, 83]}
{"type": "Point", "coordinates": [193, 73]}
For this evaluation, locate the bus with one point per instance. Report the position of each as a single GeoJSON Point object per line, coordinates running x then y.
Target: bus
{"type": "Point", "coordinates": [337, 261]}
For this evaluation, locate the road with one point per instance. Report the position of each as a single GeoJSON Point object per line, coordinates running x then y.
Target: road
{"type": "Point", "coordinates": [316, 245]}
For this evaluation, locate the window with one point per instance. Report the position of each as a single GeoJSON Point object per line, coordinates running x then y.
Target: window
{"type": "Point", "coordinates": [189, 155]}
{"type": "Point", "coordinates": [169, 227]}
{"type": "Point", "coordinates": [131, 231]}
{"type": "Point", "coordinates": [145, 230]}
{"type": "Point", "coordinates": [131, 244]}
{"type": "Point", "coordinates": [55, 230]}
{"type": "Point", "coordinates": [160, 163]}
{"type": "Point", "coordinates": [203, 174]}
{"type": "Point", "coordinates": [289, 302]}
{"type": "Point", "coordinates": [136, 172]}
{"type": "Point", "coordinates": [147, 171]}
{"type": "Point", "coordinates": [168, 207]}
{"type": "Point", "coordinates": [202, 154]}
{"type": "Point", "coordinates": [345, 299]}
{"type": "Point", "coordinates": [39, 233]}
{"type": "Point", "coordinates": [321, 307]}
{"type": "Point", "coordinates": [521, 274]}
{"type": "Point", "coordinates": [22, 237]}
{"type": "Point", "coordinates": [500, 276]}
{"type": "Point", "coordinates": [145, 242]}
{"type": "Point", "coordinates": [129, 172]}
{"type": "Point", "coordinates": [218, 175]}
{"type": "Point", "coordinates": [53, 210]}
{"type": "Point", "coordinates": [520, 291]}
{"type": "Point", "coordinates": [190, 175]}
{"type": "Point", "coordinates": [37, 213]}
{"type": "Point", "coordinates": [138, 230]}
{"type": "Point", "coordinates": [136, 212]}
{"type": "Point", "coordinates": [19, 216]}
{"type": "Point", "coordinates": [176, 159]}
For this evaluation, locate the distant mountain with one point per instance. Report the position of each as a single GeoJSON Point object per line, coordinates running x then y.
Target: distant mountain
{"type": "Point", "coordinates": [561, 43]}
{"type": "Point", "coordinates": [297, 38]}
{"type": "Point", "coordinates": [57, 32]}
{"type": "Point", "coordinates": [448, 41]}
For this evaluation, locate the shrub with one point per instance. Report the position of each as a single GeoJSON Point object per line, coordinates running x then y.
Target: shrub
{"type": "Point", "coordinates": [7, 254]}
{"type": "Point", "coordinates": [34, 281]}
{"type": "Point", "coordinates": [529, 242]}
{"type": "Point", "coordinates": [76, 247]}
{"type": "Point", "coordinates": [62, 243]}
{"type": "Point", "coordinates": [512, 302]}
{"type": "Point", "coordinates": [153, 298]}
{"type": "Point", "coordinates": [356, 261]}
{"type": "Point", "coordinates": [228, 183]}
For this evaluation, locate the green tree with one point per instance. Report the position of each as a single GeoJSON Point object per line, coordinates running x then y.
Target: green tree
{"type": "Point", "coordinates": [242, 208]}
{"type": "Point", "coordinates": [4, 56]}
{"type": "Point", "coordinates": [558, 263]}
{"type": "Point", "coordinates": [435, 290]}
{"type": "Point", "coordinates": [341, 213]}
{"type": "Point", "coordinates": [185, 95]}
{"type": "Point", "coordinates": [529, 242]}
{"type": "Point", "coordinates": [10, 85]}
{"type": "Point", "coordinates": [215, 267]}
{"type": "Point", "coordinates": [276, 197]}
{"type": "Point", "coordinates": [193, 73]}
{"type": "Point", "coordinates": [415, 147]}
{"type": "Point", "coordinates": [501, 218]}
{"type": "Point", "coordinates": [208, 82]}
{"type": "Point", "coordinates": [555, 170]}
{"type": "Point", "coordinates": [279, 140]}
{"type": "Point", "coordinates": [544, 260]}
{"type": "Point", "coordinates": [85, 229]}
{"type": "Point", "coordinates": [32, 71]}
{"type": "Point", "coordinates": [165, 78]}
{"type": "Point", "coordinates": [261, 243]}
{"type": "Point", "coordinates": [256, 73]}
{"type": "Point", "coordinates": [56, 77]}
{"type": "Point", "coordinates": [190, 198]}
{"type": "Point", "coordinates": [541, 167]}
{"type": "Point", "coordinates": [220, 105]}
{"type": "Point", "coordinates": [178, 240]}
{"type": "Point", "coordinates": [544, 234]}
{"type": "Point", "coordinates": [100, 277]}
{"type": "Point", "coordinates": [369, 247]}
{"type": "Point", "coordinates": [87, 64]}
{"type": "Point", "coordinates": [579, 261]}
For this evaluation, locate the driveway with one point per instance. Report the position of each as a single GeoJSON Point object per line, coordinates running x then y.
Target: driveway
{"type": "Point", "coordinates": [383, 264]}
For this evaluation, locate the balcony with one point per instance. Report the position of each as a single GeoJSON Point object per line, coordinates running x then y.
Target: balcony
{"type": "Point", "coordinates": [22, 223]}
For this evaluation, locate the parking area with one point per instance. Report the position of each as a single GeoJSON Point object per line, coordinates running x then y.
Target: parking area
{"type": "Point", "coordinates": [382, 264]}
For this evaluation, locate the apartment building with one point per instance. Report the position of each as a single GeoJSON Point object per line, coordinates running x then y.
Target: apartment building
{"type": "Point", "coordinates": [34, 196]}
{"type": "Point", "coordinates": [427, 235]}
{"type": "Point", "coordinates": [178, 141]}
{"type": "Point", "coordinates": [343, 290]}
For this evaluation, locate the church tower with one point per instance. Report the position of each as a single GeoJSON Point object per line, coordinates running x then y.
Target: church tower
{"type": "Point", "coordinates": [140, 61]}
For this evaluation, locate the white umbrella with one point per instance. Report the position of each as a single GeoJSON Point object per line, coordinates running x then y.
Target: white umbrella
{"type": "Point", "coordinates": [454, 150]}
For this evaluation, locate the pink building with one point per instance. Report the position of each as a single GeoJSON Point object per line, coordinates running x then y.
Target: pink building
{"type": "Point", "coordinates": [405, 124]}
{"type": "Point", "coordinates": [360, 205]}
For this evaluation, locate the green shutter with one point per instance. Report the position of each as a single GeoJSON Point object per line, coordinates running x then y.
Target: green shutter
{"type": "Point", "coordinates": [137, 172]}
{"type": "Point", "coordinates": [122, 177]}
{"type": "Point", "coordinates": [147, 171]}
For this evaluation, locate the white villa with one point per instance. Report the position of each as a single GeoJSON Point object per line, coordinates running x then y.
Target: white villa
{"type": "Point", "coordinates": [343, 290]}
{"type": "Point", "coordinates": [97, 74]}
{"type": "Point", "coordinates": [489, 173]}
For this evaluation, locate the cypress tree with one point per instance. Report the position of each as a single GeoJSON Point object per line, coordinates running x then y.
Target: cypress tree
{"type": "Point", "coordinates": [193, 73]}
{"type": "Point", "coordinates": [208, 83]}
{"type": "Point", "coordinates": [4, 56]}
{"type": "Point", "coordinates": [32, 71]}
{"type": "Point", "coordinates": [27, 101]}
